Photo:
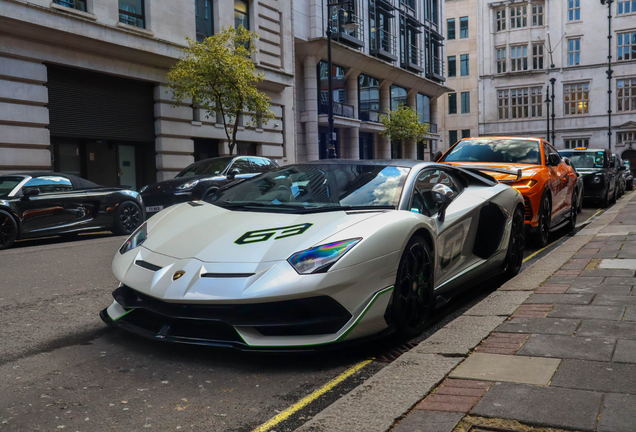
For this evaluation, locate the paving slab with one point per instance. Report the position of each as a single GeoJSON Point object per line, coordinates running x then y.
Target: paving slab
{"type": "Point", "coordinates": [596, 376]}
{"type": "Point", "coordinates": [625, 352]}
{"type": "Point", "coordinates": [628, 264]}
{"type": "Point", "coordinates": [543, 406]}
{"type": "Point", "coordinates": [614, 300]}
{"type": "Point", "coordinates": [607, 272]}
{"type": "Point", "coordinates": [591, 312]}
{"type": "Point", "coordinates": [607, 329]}
{"type": "Point", "coordinates": [429, 421]}
{"type": "Point", "coordinates": [560, 326]}
{"type": "Point", "coordinates": [619, 413]}
{"type": "Point", "coordinates": [601, 289]}
{"type": "Point", "coordinates": [499, 303]}
{"type": "Point", "coordinates": [630, 314]}
{"type": "Point", "coordinates": [576, 281]}
{"type": "Point", "coordinates": [495, 367]}
{"type": "Point", "coordinates": [568, 347]}
{"type": "Point", "coordinates": [578, 299]}
{"type": "Point", "coordinates": [460, 336]}
{"type": "Point", "coordinates": [620, 281]}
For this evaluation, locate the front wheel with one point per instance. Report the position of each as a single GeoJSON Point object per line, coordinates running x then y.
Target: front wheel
{"type": "Point", "coordinates": [128, 217]}
{"type": "Point", "coordinates": [8, 230]}
{"type": "Point", "coordinates": [543, 230]}
{"type": "Point", "coordinates": [514, 256]}
{"type": "Point", "coordinates": [413, 300]}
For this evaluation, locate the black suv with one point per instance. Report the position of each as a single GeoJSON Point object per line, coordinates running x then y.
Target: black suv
{"type": "Point", "coordinates": [621, 174]}
{"type": "Point", "coordinates": [599, 173]}
{"type": "Point", "coordinates": [201, 179]}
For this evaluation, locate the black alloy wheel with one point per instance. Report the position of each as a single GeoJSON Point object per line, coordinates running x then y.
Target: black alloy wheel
{"type": "Point", "coordinates": [413, 302]}
{"type": "Point", "coordinates": [543, 230]}
{"type": "Point", "coordinates": [573, 209]}
{"type": "Point", "coordinates": [8, 230]}
{"type": "Point", "coordinates": [516, 244]}
{"type": "Point", "coordinates": [128, 218]}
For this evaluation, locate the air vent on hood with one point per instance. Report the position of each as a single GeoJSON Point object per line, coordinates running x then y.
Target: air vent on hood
{"type": "Point", "coordinates": [227, 275]}
{"type": "Point", "coordinates": [147, 265]}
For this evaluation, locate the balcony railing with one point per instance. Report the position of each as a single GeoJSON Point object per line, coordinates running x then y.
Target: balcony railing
{"type": "Point", "coordinates": [370, 116]}
{"type": "Point", "coordinates": [435, 69]}
{"type": "Point", "coordinates": [413, 58]}
{"type": "Point", "coordinates": [339, 19]}
{"type": "Point", "coordinates": [384, 45]}
{"type": "Point", "coordinates": [339, 109]}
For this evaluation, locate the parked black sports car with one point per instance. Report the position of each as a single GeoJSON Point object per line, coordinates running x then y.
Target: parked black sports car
{"type": "Point", "coordinates": [48, 203]}
{"type": "Point", "coordinates": [201, 179]}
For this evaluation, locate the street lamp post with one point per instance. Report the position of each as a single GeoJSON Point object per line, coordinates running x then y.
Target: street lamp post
{"type": "Point", "coordinates": [547, 114]}
{"type": "Point", "coordinates": [331, 147]}
{"type": "Point", "coordinates": [552, 81]}
{"type": "Point", "coordinates": [609, 71]}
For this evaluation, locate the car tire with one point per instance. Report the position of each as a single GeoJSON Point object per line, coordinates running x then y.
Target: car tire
{"type": "Point", "coordinates": [128, 217]}
{"type": "Point", "coordinates": [613, 199]}
{"type": "Point", "coordinates": [413, 302]}
{"type": "Point", "coordinates": [516, 244]}
{"type": "Point", "coordinates": [573, 209]}
{"type": "Point", "coordinates": [543, 229]}
{"type": "Point", "coordinates": [8, 230]}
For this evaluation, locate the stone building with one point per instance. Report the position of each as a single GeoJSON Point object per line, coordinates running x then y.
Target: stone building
{"type": "Point", "coordinates": [385, 53]}
{"type": "Point", "coordinates": [82, 86]}
{"type": "Point", "coordinates": [518, 43]}
{"type": "Point", "coordinates": [458, 110]}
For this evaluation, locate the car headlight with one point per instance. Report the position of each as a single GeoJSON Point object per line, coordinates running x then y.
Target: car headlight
{"type": "Point", "coordinates": [135, 240]}
{"type": "Point", "coordinates": [597, 179]}
{"type": "Point", "coordinates": [143, 189]}
{"type": "Point", "coordinates": [524, 184]}
{"type": "Point", "coordinates": [188, 185]}
{"type": "Point", "coordinates": [320, 259]}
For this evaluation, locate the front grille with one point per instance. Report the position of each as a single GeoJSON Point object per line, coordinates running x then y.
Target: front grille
{"type": "Point", "coordinates": [528, 207]}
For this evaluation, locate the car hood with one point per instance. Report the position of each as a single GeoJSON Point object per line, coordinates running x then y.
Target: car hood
{"type": "Point", "coordinates": [528, 171]}
{"type": "Point", "coordinates": [171, 185]}
{"type": "Point", "coordinates": [213, 234]}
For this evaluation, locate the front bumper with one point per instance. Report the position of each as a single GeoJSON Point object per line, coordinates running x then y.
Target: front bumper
{"type": "Point", "coordinates": [165, 200]}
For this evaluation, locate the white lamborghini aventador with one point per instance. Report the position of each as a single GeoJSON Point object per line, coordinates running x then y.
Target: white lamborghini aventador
{"type": "Point", "coordinates": [316, 253]}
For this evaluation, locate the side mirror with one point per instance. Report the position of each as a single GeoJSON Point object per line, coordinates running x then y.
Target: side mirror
{"type": "Point", "coordinates": [233, 173]}
{"type": "Point", "coordinates": [553, 160]}
{"type": "Point", "coordinates": [437, 156]}
{"type": "Point", "coordinates": [443, 196]}
{"type": "Point", "coordinates": [28, 192]}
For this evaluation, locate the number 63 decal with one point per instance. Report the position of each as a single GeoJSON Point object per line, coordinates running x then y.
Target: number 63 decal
{"type": "Point", "coordinates": [266, 234]}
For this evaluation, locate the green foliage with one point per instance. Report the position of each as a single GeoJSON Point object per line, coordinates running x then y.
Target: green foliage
{"type": "Point", "coordinates": [220, 76]}
{"type": "Point", "coordinates": [403, 123]}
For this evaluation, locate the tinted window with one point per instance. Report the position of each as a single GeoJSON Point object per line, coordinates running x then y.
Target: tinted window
{"type": "Point", "coordinates": [495, 150]}
{"type": "Point", "coordinates": [422, 201]}
{"type": "Point", "coordinates": [48, 184]}
{"type": "Point", "coordinates": [585, 159]}
{"type": "Point", "coordinates": [205, 167]}
{"type": "Point", "coordinates": [7, 184]}
{"type": "Point", "coordinates": [242, 165]}
{"type": "Point", "coordinates": [260, 165]}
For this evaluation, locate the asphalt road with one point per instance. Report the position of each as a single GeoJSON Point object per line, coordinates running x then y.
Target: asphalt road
{"type": "Point", "coordinates": [62, 369]}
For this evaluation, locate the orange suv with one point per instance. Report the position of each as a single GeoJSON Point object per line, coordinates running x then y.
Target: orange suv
{"type": "Point", "coordinates": [531, 166]}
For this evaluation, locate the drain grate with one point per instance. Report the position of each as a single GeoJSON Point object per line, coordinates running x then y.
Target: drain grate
{"type": "Point", "coordinates": [396, 351]}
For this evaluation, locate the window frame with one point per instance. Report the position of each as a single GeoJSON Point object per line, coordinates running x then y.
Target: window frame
{"type": "Point", "coordinates": [463, 20]}
{"type": "Point", "coordinates": [501, 60]}
{"type": "Point", "coordinates": [574, 51]}
{"type": "Point", "coordinates": [448, 29]}
{"type": "Point", "coordinates": [622, 10]}
{"type": "Point", "coordinates": [520, 103]}
{"type": "Point", "coordinates": [450, 137]}
{"type": "Point", "coordinates": [452, 103]}
{"type": "Point", "coordinates": [198, 33]}
{"type": "Point", "coordinates": [538, 59]}
{"type": "Point", "coordinates": [569, 103]}
{"type": "Point", "coordinates": [519, 63]}
{"type": "Point", "coordinates": [574, 10]}
{"type": "Point", "coordinates": [518, 17]}
{"type": "Point", "coordinates": [538, 14]}
{"type": "Point", "coordinates": [464, 59]}
{"type": "Point", "coordinates": [500, 19]}
{"type": "Point", "coordinates": [629, 47]}
{"type": "Point", "coordinates": [623, 137]}
{"type": "Point", "coordinates": [454, 68]}
{"type": "Point", "coordinates": [465, 102]}
{"type": "Point", "coordinates": [141, 16]}
{"type": "Point", "coordinates": [572, 143]}
{"type": "Point", "coordinates": [246, 13]}
{"type": "Point", "coordinates": [72, 4]}
{"type": "Point", "coordinates": [626, 95]}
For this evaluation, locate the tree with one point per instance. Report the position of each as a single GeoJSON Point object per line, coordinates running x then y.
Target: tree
{"type": "Point", "coordinates": [219, 76]}
{"type": "Point", "coordinates": [403, 123]}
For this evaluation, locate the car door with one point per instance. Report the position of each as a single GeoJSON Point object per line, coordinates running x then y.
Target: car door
{"type": "Point", "coordinates": [566, 181]}
{"type": "Point", "coordinates": [57, 206]}
{"type": "Point", "coordinates": [455, 234]}
{"type": "Point", "coordinates": [556, 175]}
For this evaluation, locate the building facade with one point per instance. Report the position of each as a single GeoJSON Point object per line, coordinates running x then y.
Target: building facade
{"type": "Point", "coordinates": [525, 44]}
{"type": "Point", "coordinates": [385, 53]}
{"type": "Point", "coordinates": [458, 109]}
{"type": "Point", "coordinates": [83, 86]}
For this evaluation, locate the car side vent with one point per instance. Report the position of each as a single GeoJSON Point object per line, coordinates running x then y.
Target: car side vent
{"type": "Point", "coordinates": [492, 223]}
{"type": "Point", "coordinates": [147, 265]}
{"type": "Point", "coordinates": [227, 275]}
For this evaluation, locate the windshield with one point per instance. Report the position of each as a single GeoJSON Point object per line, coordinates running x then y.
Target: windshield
{"type": "Point", "coordinates": [205, 167]}
{"type": "Point", "coordinates": [585, 159]}
{"type": "Point", "coordinates": [306, 188]}
{"type": "Point", "coordinates": [495, 150]}
{"type": "Point", "coordinates": [8, 183]}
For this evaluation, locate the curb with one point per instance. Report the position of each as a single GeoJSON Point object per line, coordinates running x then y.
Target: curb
{"type": "Point", "coordinates": [386, 397]}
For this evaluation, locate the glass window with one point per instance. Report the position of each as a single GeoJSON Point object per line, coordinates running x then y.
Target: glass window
{"type": "Point", "coordinates": [574, 52]}
{"type": "Point", "coordinates": [501, 60]}
{"type": "Point", "coordinates": [520, 103]}
{"type": "Point", "coordinates": [422, 199]}
{"type": "Point", "coordinates": [624, 138]}
{"type": "Point", "coordinates": [242, 165]}
{"type": "Point", "coordinates": [369, 98]}
{"type": "Point", "coordinates": [131, 12]}
{"type": "Point", "coordinates": [495, 150]}
{"type": "Point", "coordinates": [338, 82]}
{"type": "Point", "coordinates": [398, 97]}
{"type": "Point", "coordinates": [450, 28]}
{"type": "Point", "coordinates": [463, 27]}
{"type": "Point", "coordinates": [500, 19]}
{"type": "Point", "coordinates": [537, 14]}
{"type": "Point", "coordinates": [537, 56]}
{"type": "Point", "coordinates": [518, 17]}
{"type": "Point", "coordinates": [8, 183]}
{"type": "Point", "coordinates": [205, 167]}
{"type": "Point", "coordinates": [452, 103]}
{"type": "Point", "coordinates": [452, 137]}
{"type": "Point", "coordinates": [519, 58]}
{"type": "Point", "coordinates": [50, 184]}
{"type": "Point", "coordinates": [260, 165]}
{"type": "Point", "coordinates": [574, 10]}
{"type": "Point", "coordinates": [576, 98]}
{"type": "Point", "coordinates": [626, 94]}
{"type": "Point", "coordinates": [464, 64]}
{"type": "Point", "coordinates": [241, 14]}
{"type": "Point", "coordinates": [452, 66]}
{"type": "Point", "coordinates": [73, 4]}
{"type": "Point", "coordinates": [536, 101]}
{"type": "Point", "coordinates": [465, 133]}
{"type": "Point", "coordinates": [626, 6]}
{"type": "Point", "coordinates": [503, 103]}
{"type": "Point", "coordinates": [465, 102]}
{"type": "Point", "coordinates": [626, 46]}
{"type": "Point", "coordinates": [576, 143]}
{"type": "Point", "coordinates": [203, 12]}
{"type": "Point", "coordinates": [423, 104]}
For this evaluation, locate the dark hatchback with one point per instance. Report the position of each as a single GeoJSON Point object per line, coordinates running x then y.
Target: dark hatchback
{"type": "Point", "coordinates": [201, 179]}
{"type": "Point", "coordinates": [599, 173]}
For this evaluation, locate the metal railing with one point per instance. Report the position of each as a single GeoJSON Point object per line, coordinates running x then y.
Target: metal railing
{"type": "Point", "coordinates": [339, 19]}
{"type": "Point", "coordinates": [435, 68]}
{"type": "Point", "coordinates": [384, 40]}
{"type": "Point", "coordinates": [370, 116]}
{"type": "Point", "coordinates": [412, 56]}
{"type": "Point", "coordinates": [339, 109]}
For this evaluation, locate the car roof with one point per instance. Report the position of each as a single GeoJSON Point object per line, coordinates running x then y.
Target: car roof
{"type": "Point", "coordinates": [506, 137]}
{"type": "Point", "coordinates": [405, 163]}
{"type": "Point", "coordinates": [587, 149]}
{"type": "Point", "coordinates": [77, 182]}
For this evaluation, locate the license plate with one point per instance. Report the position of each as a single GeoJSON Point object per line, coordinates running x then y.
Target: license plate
{"type": "Point", "coordinates": [154, 209]}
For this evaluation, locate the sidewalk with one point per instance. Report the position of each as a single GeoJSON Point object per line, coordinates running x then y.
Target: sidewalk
{"type": "Point", "coordinates": [553, 348]}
